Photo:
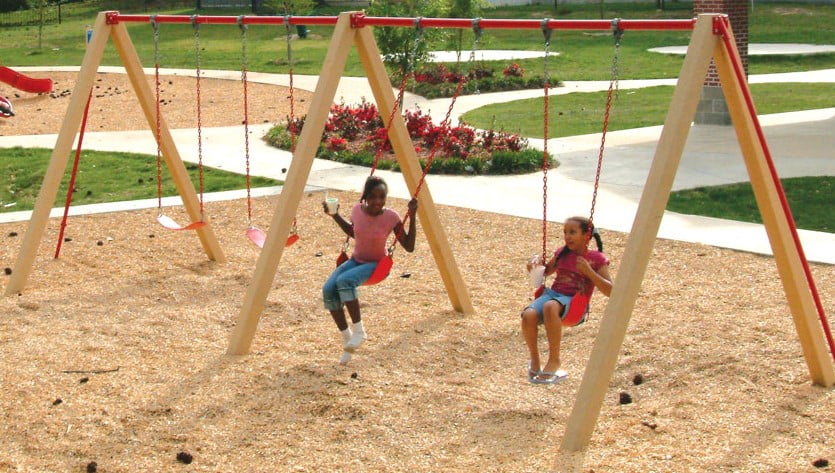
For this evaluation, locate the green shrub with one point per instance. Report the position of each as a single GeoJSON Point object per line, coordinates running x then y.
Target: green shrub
{"type": "Point", "coordinates": [517, 162]}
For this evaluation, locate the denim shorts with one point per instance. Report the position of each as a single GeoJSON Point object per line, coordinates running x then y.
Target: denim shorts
{"type": "Point", "coordinates": [551, 295]}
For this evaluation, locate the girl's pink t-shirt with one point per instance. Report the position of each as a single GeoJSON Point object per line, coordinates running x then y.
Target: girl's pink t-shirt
{"type": "Point", "coordinates": [569, 279]}
{"type": "Point", "coordinates": [371, 233]}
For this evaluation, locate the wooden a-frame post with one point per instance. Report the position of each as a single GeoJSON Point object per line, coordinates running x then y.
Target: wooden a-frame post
{"type": "Point", "coordinates": [705, 44]}
{"type": "Point", "coordinates": [102, 31]}
{"type": "Point", "coordinates": [344, 36]}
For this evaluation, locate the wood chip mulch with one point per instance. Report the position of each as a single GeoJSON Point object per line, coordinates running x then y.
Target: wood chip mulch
{"type": "Point", "coordinates": [723, 385]}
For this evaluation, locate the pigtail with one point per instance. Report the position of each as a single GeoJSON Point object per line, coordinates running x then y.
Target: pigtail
{"type": "Point", "coordinates": [562, 252]}
{"type": "Point", "coordinates": [596, 235]}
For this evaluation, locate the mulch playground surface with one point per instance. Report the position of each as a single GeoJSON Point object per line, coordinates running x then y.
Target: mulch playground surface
{"type": "Point", "coordinates": [711, 362]}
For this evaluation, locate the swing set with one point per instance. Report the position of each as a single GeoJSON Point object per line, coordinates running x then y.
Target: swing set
{"type": "Point", "coordinates": [711, 39]}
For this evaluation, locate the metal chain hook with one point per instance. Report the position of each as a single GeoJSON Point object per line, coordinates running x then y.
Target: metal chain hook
{"type": "Point", "coordinates": [477, 38]}
{"type": "Point", "coordinates": [418, 39]}
{"type": "Point", "coordinates": [617, 33]}
{"type": "Point", "coordinates": [289, 38]}
{"type": "Point", "coordinates": [546, 32]}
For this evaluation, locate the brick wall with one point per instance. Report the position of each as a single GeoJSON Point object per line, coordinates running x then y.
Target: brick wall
{"type": "Point", "coordinates": [712, 108]}
{"type": "Point", "coordinates": [737, 11]}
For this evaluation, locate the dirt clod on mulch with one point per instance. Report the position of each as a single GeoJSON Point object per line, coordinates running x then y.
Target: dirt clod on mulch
{"type": "Point", "coordinates": [185, 457]}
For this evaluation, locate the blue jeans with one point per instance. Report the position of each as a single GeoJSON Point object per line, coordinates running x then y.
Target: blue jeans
{"type": "Point", "coordinates": [341, 286]}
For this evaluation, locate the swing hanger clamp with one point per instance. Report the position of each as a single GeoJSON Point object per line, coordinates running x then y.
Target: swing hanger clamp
{"type": "Point", "coordinates": [241, 23]}
{"type": "Point", "coordinates": [194, 22]}
{"type": "Point", "coordinates": [617, 31]}
{"type": "Point", "coordinates": [546, 31]}
{"type": "Point", "coordinates": [477, 30]}
{"type": "Point", "coordinates": [358, 20]}
{"type": "Point", "coordinates": [287, 25]}
{"type": "Point", "coordinates": [154, 23]}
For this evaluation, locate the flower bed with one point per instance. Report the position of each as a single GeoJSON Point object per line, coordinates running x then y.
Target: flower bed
{"type": "Point", "coordinates": [354, 134]}
{"type": "Point", "coordinates": [436, 81]}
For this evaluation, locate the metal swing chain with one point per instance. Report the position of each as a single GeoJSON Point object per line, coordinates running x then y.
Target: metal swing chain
{"type": "Point", "coordinates": [196, 27]}
{"type": "Point", "coordinates": [612, 92]}
{"type": "Point", "coordinates": [292, 125]}
{"type": "Point", "coordinates": [155, 25]}
{"type": "Point", "coordinates": [476, 40]}
{"type": "Point", "coordinates": [545, 161]}
{"type": "Point", "coordinates": [245, 82]}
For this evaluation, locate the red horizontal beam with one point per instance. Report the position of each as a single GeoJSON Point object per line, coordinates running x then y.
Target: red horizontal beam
{"type": "Point", "coordinates": [361, 21]}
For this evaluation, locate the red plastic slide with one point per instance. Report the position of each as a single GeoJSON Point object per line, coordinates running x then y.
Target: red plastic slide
{"type": "Point", "coordinates": [24, 83]}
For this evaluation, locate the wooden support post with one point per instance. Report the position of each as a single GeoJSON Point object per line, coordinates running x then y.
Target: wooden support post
{"type": "Point", "coordinates": [288, 201]}
{"type": "Point", "coordinates": [410, 167]}
{"type": "Point", "coordinates": [636, 256]}
{"type": "Point", "coordinates": [776, 223]}
{"type": "Point", "coordinates": [147, 100]}
{"type": "Point", "coordinates": [58, 160]}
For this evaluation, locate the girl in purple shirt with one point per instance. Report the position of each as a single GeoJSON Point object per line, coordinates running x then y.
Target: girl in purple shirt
{"type": "Point", "coordinates": [579, 270]}
{"type": "Point", "coordinates": [371, 223]}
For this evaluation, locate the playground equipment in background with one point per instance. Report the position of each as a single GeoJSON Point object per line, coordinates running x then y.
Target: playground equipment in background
{"type": "Point", "coordinates": [711, 39]}
{"type": "Point", "coordinates": [6, 108]}
{"type": "Point", "coordinates": [23, 82]}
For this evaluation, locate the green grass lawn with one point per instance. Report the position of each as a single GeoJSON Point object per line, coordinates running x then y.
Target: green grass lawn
{"type": "Point", "coordinates": [581, 113]}
{"type": "Point", "coordinates": [584, 55]}
{"type": "Point", "coordinates": [102, 177]}
{"type": "Point", "coordinates": [810, 199]}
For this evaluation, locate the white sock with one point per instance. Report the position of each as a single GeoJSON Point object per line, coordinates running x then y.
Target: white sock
{"type": "Point", "coordinates": [346, 335]}
{"type": "Point", "coordinates": [345, 358]}
{"type": "Point", "coordinates": [358, 328]}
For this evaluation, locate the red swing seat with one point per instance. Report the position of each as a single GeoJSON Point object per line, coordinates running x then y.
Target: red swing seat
{"type": "Point", "coordinates": [576, 310]}
{"type": "Point", "coordinates": [169, 224]}
{"type": "Point", "coordinates": [381, 272]}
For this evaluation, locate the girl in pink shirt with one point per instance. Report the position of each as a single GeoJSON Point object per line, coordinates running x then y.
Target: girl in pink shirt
{"type": "Point", "coordinates": [579, 270]}
{"type": "Point", "coordinates": [371, 223]}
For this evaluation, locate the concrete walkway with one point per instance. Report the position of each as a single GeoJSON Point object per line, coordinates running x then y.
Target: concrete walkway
{"type": "Point", "coordinates": [801, 143]}
{"type": "Point", "coordinates": [763, 49]}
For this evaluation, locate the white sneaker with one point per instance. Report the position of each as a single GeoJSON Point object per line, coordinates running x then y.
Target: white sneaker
{"type": "Point", "coordinates": [357, 338]}
{"type": "Point", "coordinates": [344, 358]}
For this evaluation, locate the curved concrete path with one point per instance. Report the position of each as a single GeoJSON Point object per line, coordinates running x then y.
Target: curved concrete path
{"type": "Point", "coordinates": [763, 49]}
{"type": "Point", "coordinates": [801, 143]}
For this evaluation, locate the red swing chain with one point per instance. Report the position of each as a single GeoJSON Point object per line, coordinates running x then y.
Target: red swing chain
{"type": "Point", "coordinates": [292, 127]}
{"type": "Point", "coordinates": [613, 91]}
{"type": "Point", "coordinates": [398, 101]}
{"type": "Point", "coordinates": [444, 126]}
